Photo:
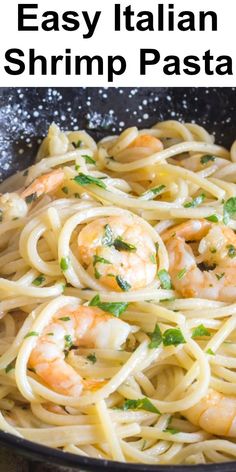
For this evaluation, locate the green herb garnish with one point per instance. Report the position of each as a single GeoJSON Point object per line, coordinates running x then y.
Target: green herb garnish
{"type": "Point", "coordinates": [141, 404]}
{"type": "Point", "coordinates": [89, 159]}
{"type": "Point", "coordinates": [209, 351]}
{"type": "Point", "coordinates": [231, 251]}
{"type": "Point", "coordinates": [31, 333]}
{"type": "Point", "coordinates": [107, 238]}
{"type": "Point", "coordinates": [220, 276]}
{"type": "Point", "coordinates": [121, 245]}
{"type": "Point", "coordinates": [212, 218]}
{"type": "Point", "coordinates": [156, 338]}
{"type": "Point", "coordinates": [154, 191]}
{"type": "Point", "coordinates": [173, 337]}
{"type": "Point", "coordinates": [206, 159]}
{"type": "Point", "coordinates": [101, 260]}
{"type": "Point", "coordinates": [153, 258]}
{"type": "Point", "coordinates": [165, 279]}
{"type": "Point", "coordinates": [68, 341]}
{"type": "Point", "coordinates": [116, 309]}
{"type": "Point", "coordinates": [10, 366]}
{"type": "Point", "coordinates": [195, 201]}
{"type": "Point", "coordinates": [84, 180]}
{"type": "Point", "coordinates": [64, 264]}
{"type": "Point", "coordinates": [77, 195]}
{"type": "Point", "coordinates": [200, 330]}
{"type": "Point", "coordinates": [31, 198]}
{"type": "Point", "coordinates": [65, 190]}
{"type": "Point", "coordinates": [65, 318]}
{"type": "Point", "coordinates": [181, 273]}
{"type": "Point", "coordinates": [125, 286]}
{"type": "Point", "coordinates": [229, 209]}
{"type": "Point", "coordinates": [92, 358]}
{"type": "Point", "coordinates": [77, 144]}
{"type": "Point", "coordinates": [39, 280]}
{"type": "Point", "coordinates": [171, 431]}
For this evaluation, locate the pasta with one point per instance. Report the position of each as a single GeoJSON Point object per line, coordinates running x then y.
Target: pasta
{"type": "Point", "coordinates": [118, 299]}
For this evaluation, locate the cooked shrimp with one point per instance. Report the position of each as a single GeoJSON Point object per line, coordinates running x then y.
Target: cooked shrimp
{"type": "Point", "coordinates": [116, 249]}
{"type": "Point", "coordinates": [46, 183]}
{"type": "Point", "coordinates": [144, 145]}
{"type": "Point", "coordinates": [217, 250]}
{"type": "Point", "coordinates": [12, 206]}
{"type": "Point", "coordinates": [85, 326]}
{"type": "Point", "coordinates": [147, 141]}
{"type": "Point", "coordinates": [215, 413]}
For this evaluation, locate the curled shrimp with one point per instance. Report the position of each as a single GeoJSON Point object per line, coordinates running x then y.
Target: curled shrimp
{"type": "Point", "coordinates": [144, 145]}
{"type": "Point", "coordinates": [12, 206]}
{"type": "Point", "coordinates": [215, 413]}
{"type": "Point", "coordinates": [215, 255]}
{"type": "Point", "coordinates": [46, 183]}
{"type": "Point", "coordinates": [117, 249]}
{"type": "Point", "coordinates": [85, 326]}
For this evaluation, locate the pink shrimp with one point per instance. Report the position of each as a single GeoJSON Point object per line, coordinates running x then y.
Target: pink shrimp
{"type": "Point", "coordinates": [46, 183]}
{"type": "Point", "coordinates": [85, 326]}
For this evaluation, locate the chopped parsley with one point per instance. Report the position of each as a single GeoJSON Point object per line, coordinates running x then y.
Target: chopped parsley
{"type": "Point", "coordinates": [116, 309]}
{"type": "Point", "coordinates": [77, 144]}
{"type": "Point", "coordinates": [153, 258]}
{"type": "Point", "coordinates": [209, 351]}
{"type": "Point", "coordinates": [92, 358]}
{"type": "Point", "coordinates": [229, 209]}
{"type": "Point", "coordinates": [200, 330]}
{"type": "Point", "coordinates": [206, 159]}
{"type": "Point", "coordinates": [84, 180]}
{"type": "Point", "coordinates": [156, 338]}
{"type": "Point", "coordinates": [9, 367]}
{"type": "Point", "coordinates": [101, 260]}
{"type": "Point", "coordinates": [231, 251]}
{"type": "Point", "coordinates": [50, 334]}
{"type": "Point", "coordinates": [97, 274]}
{"type": "Point", "coordinates": [68, 341]}
{"type": "Point", "coordinates": [154, 191]}
{"type": "Point", "coordinates": [123, 284]}
{"type": "Point", "coordinates": [25, 173]}
{"type": "Point", "coordinates": [173, 337]}
{"type": "Point", "coordinates": [141, 404]}
{"type": "Point", "coordinates": [181, 273]}
{"type": "Point", "coordinates": [65, 190]}
{"type": "Point", "coordinates": [31, 198]}
{"type": "Point", "coordinates": [89, 159]}
{"type": "Point", "coordinates": [65, 318]}
{"type": "Point", "coordinates": [77, 195]}
{"type": "Point", "coordinates": [171, 431]}
{"type": "Point", "coordinates": [212, 218]}
{"type": "Point", "coordinates": [64, 264]}
{"type": "Point", "coordinates": [107, 238]}
{"type": "Point", "coordinates": [121, 245]}
{"type": "Point", "coordinates": [220, 276]}
{"type": "Point", "coordinates": [31, 333]}
{"type": "Point", "coordinates": [165, 279]}
{"type": "Point", "coordinates": [213, 250]}
{"type": "Point", "coordinates": [195, 201]}
{"type": "Point", "coordinates": [77, 167]}
{"type": "Point", "coordinates": [39, 280]}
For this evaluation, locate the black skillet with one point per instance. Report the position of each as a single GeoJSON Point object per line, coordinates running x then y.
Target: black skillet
{"type": "Point", "coordinates": [25, 115]}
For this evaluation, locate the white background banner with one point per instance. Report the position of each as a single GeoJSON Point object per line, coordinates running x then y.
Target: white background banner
{"type": "Point", "coordinates": [106, 43]}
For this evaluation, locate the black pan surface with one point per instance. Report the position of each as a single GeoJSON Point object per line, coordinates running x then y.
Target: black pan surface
{"type": "Point", "coordinates": [25, 115]}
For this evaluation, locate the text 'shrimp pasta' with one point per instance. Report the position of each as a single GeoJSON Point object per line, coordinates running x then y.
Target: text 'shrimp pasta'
{"type": "Point", "coordinates": [162, 18]}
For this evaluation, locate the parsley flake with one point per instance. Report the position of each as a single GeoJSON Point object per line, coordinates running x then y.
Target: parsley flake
{"type": "Point", "coordinates": [200, 330]}
{"type": "Point", "coordinates": [141, 404]}
{"type": "Point", "coordinates": [206, 159]}
{"type": "Point", "coordinates": [64, 264]}
{"type": "Point", "coordinates": [31, 198]}
{"type": "Point", "coordinates": [38, 281]}
{"type": "Point", "coordinates": [123, 284]}
{"type": "Point", "coordinates": [92, 358]}
{"type": "Point", "coordinates": [31, 333]}
{"type": "Point", "coordinates": [83, 180]}
{"type": "Point", "coordinates": [156, 338]}
{"type": "Point", "coordinates": [195, 201]}
{"type": "Point", "coordinates": [165, 279]}
{"type": "Point", "coordinates": [173, 337]}
{"type": "Point", "coordinates": [116, 309]}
